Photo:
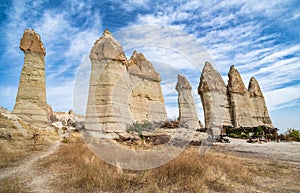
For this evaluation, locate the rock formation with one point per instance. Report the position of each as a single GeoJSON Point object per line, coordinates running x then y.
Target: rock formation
{"type": "Point", "coordinates": [233, 105]}
{"type": "Point", "coordinates": [121, 91]}
{"type": "Point", "coordinates": [31, 104]}
{"type": "Point", "coordinates": [106, 91]}
{"type": "Point", "coordinates": [259, 113]}
{"type": "Point", "coordinates": [146, 101]}
{"type": "Point", "coordinates": [187, 111]}
{"type": "Point", "coordinates": [239, 100]}
{"type": "Point", "coordinates": [213, 93]}
{"type": "Point", "coordinates": [248, 107]}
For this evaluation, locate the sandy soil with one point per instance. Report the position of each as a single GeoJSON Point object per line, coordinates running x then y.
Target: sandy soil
{"type": "Point", "coordinates": [287, 152]}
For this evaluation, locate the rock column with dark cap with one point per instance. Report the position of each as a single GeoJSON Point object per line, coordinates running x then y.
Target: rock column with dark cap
{"type": "Point", "coordinates": [31, 104]}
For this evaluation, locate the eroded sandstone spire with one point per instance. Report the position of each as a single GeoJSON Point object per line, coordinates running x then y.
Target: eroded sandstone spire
{"type": "Point", "coordinates": [108, 103]}
{"type": "Point", "coordinates": [187, 111]}
{"type": "Point", "coordinates": [121, 92]}
{"type": "Point", "coordinates": [140, 66]}
{"type": "Point", "coordinates": [239, 100]}
{"type": "Point", "coordinates": [239, 107]}
{"type": "Point", "coordinates": [146, 100]}
{"type": "Point", "coordinates": [213, 93]}
{"type": "Point", "coordinates": [235, 82]}
{"type": "Point", "coordinates": [31, 103]}
{"type": "Point", "coordinates": [259, 113]}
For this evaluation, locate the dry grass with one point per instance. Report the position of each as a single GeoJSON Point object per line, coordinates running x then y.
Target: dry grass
{"type": "Point", "coordinates": [80, 171]}
{"type": "Point", "coordinates": [21, 145]}
{"type": "Point", "coordinates": [13, 185]}
{"type": "Point", "coordinates": [76, 169]}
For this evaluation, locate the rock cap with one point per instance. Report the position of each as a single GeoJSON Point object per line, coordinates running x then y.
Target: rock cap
{"type": "Point", "coordinates": [211, 80]}
{"type": "Point", "coordinates": [140, 66]}
{"type": "Point", "coordinates": [254, 88]}
{"type": "Point", "coordinates": [182, 83]}
{"type": "Point", "coordinates": [235, 82]}
{"type": "Point", "coordinates": [106, 47]}
{"type": "Point", "coordinates": [31, 41]}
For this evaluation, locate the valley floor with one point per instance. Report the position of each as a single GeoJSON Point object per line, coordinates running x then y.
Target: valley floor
{"type": "Point", "coordinates": [234, 167]}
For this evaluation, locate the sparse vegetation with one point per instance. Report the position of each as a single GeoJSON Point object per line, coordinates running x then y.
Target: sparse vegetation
{"type": "Point", "coordinates": [138, 128]}
{"type": "Point", "coordinates": [77, 169]}
{"type": "Point", "coordinates": [244, 132]}
{"type": "Point", "coordinates": [13, 185]}
{"type": "Point", "coordinates": [21, 143]}
{"type": "Point", "coordinates": [291, 135]}
{"type": "Point", "coordinates": [171, 123]}
{"type": "Point", "coordinates": [81, 171]}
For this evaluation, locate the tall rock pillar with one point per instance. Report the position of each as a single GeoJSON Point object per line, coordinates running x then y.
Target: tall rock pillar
{"type": "Point", "coordinates": [259, 113]}
{"type": "Point", "coordinates": [31, 103]}
{"type": "Point", "coordinates": [109, 89]}
{"type": "Point", "coordinates": [146, 100]}
{"type": "Point", "coordinates": [239, 100]}
{"type": "Point", "coordinates": [213, 93]}
{"type": "Point", "coordinates": [187, 111]}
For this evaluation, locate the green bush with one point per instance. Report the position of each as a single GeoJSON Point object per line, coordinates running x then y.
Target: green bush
{"type": "Point", "coordinates": [293, 134]}
{"type": "Point", "coordinates": [138, 128]}
{"type": "Point", "coordinates": [244, 132]}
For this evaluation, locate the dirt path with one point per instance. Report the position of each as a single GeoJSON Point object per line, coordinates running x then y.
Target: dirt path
{"type": "Point", "coordinates": [36, 180]}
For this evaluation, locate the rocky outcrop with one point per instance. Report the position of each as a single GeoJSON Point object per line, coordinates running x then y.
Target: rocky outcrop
{"type": "Point", "coordinates": [146, 99]}
{"type": "Point", "coordinates": [239, 100]}
{"type": "Point", "coordinates": [248, 107]}
{"type": "Point", "coordinates": [66, 122]}
{"type": "Point", "coordinates": [31, 104]}
{"type": "Point", "coordinates": [259, 113]}
{"type": "Point", "coordinates": [121, 91]}
{"type": "Point", "coordinates": [213, 93]}
{"type": "Point", "coordinates": [233, 105]}
{"type": "Point", "coordinates": [187, 111]}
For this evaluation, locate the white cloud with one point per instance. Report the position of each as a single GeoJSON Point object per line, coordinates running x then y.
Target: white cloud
{"type": "Point", "coordinates": [8, 96]}
{"type": "Point", "coordinates": [59, 96]}
{"type": "Point", "coordinates": [131, 5]}
{"type": "Point", "coordinates": [284, 97]}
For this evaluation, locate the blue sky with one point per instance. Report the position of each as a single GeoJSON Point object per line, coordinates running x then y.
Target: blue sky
{"type": "Point", "coordinates": [261, 38]}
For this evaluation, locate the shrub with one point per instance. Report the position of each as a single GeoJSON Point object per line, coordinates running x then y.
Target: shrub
{"type": "Point", "coordinates": [138, 128]}
{"type": "Point", "coordinates": [291, 135]}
